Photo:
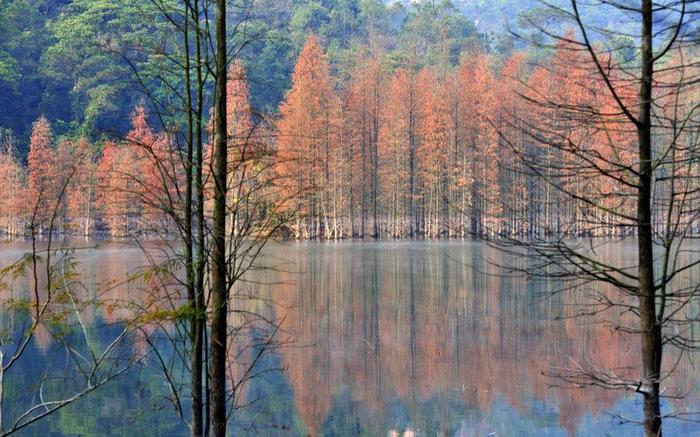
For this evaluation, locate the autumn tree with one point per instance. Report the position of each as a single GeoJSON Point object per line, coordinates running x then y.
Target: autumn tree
{"type": "Point", "coordinates": [616, 134]}
{"type": "Point", "coordinates": [459, 174]}
{"type": "Point", "coordinates": [366, 94]}
{"type": "Point", "coordinates": [512, 201]}
{"type": "Point", "coordinates": [155, 174]}
{"type": "Point", "coordinates": [340, 171]}
{"type": "Point", "coordinates": [41, 173]}
{"type": "Point", "coordinates": [434, 154]}
{"type": "Point", "coordinates": [476, 77]}
{"type": "Point", "coordinates": [64, 169]}
{"type": "Point", "coordinates": [137, 178]}
{"type": "Point", "coordinates": [82, 189]}
{"type": "Point", "coordinates": [305, 141]}
{"type": "Point", "coordinates": [12, 189]}
{"type": "Point", "coordinates": [238, 110]}
{"type": "Point", "coordinates": [397, 154]}
{"type": "Point", "coordinates": [245, 146]}
{"type": "Point", "coordinates": [118, 198]}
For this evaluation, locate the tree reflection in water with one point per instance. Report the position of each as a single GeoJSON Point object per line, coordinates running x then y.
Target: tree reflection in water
{"type": "Point", "coordinates": [428, 337]}
{"type": "Point", "coordinates": [391, 338]}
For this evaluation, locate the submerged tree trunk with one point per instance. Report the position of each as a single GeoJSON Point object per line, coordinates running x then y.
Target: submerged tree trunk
{"type": "Point", "coordinates": [218, 258]}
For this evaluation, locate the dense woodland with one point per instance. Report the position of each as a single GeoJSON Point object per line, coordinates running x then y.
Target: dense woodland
{"type": "Point", "coordinates": [70, 60]}
{"type": "Point", "coordinates": [383, 120]}
{"type": "Point", "coordinates": [382, 150]}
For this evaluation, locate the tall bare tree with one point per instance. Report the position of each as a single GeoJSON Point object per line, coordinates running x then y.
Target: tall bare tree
{"type": "Point", "coordinates": [620, 144]}
{"type": "Point", "coordinates": [218, 256]}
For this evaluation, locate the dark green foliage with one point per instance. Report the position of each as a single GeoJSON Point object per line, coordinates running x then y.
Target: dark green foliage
{"type": "Point", "coordinates": [68, 59]}
{"type": "Point", "coordinates": [24, 93]}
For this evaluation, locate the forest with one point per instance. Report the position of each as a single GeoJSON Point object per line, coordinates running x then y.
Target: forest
{"type": "Point", "coordinates": [392, 131]}
{"type": "Point", "coordinates": [198, 198]}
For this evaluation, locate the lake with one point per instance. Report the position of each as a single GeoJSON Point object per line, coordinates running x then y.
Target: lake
{"type": "Point", "coordinates": [376, 338]}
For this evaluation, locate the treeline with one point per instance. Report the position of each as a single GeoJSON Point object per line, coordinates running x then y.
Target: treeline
{"type": "Point", "coordinates": [384, 151]}
{"type": "Point", "coordinates": [131, 187]}
{"type": "Point", "coordinates": [436, 151]}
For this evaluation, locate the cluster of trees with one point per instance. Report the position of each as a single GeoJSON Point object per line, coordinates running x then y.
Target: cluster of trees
{"type": "Point", "coordinates": [416, 131]}
{"type": "Point", "coordinates": [58, 56]}
{"type": "Point", "coordinates": [435, 151]}
{"type": "Point", "coordinates": [394, 152]}
{"type": "Point", "coordinates": [77, 58]}
{"type": "Point", "coordinates": [122, 189]}
{"type": "Point", "coordinates": [383, 151]}
{"type": "Point", "coordinates": [130, 187]}
{"type": "Point", "coordinates": [209, 191]}
{"type": "Point", "coordinates": [633, 160]}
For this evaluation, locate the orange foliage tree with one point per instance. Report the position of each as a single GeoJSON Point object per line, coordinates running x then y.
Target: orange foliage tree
{"type": "Point", "coordinates": [384, 148]}
{"type": "Point", "coordinates": [137, 177]}
{"type": "Point", "coordinates": [118, 197]}
{"type": "Point", "coordinates": [80, 196]}
{"type": "Point", "coordinates": [366, 95]}
{"type": "Point", "coordinates": [305, 142]}
{"type": "Point", "coordinates": [434, 154]}
{"type": "Point", "coordinates": [41, 173]}
{"type": "Point", "coordinates": [12, 191]}
{"type": "Point", "coordinates": [397, 143]}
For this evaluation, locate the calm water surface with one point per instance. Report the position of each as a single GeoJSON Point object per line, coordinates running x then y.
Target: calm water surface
{"type": "Point", "coordinates": [387, 338]}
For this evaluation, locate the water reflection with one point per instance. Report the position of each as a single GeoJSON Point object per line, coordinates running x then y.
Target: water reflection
{"type": "Point", "coordinates": [422, 337]}
{"type": "Point", "coordinates": [389, 338]}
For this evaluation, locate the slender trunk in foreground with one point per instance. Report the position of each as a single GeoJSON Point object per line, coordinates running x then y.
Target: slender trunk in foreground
{"type": "Point", "coordinates": [218, 257]}
{"type": "Point", "coordinates": [650, 326]}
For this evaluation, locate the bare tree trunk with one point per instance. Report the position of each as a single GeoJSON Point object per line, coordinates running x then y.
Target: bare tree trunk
{"type": "Point", "coordinates": [200, 321]}
{"type": "Point", "coordinates": [218, 258]}
{"type": "Point", "coordinates": [375, 165]}
{"type": "Point", "coordinates": [650, 326]}
{"type": "Point", "coordinates": [363, 184]}
{"type": "Point", "coordinates": [195, 393]}
{"type": "Point", "coordinates": [351, 205]}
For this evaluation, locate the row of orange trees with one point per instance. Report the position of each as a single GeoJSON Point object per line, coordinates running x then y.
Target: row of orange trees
{"type": "Point", "coordinates": [122, 190]}
{"type": "Point", "coordinates": [382, 150]}
{"type": "Point", "coordinates": [434, 151]}
{"type": "Point", "coordinates": [130, 188]}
